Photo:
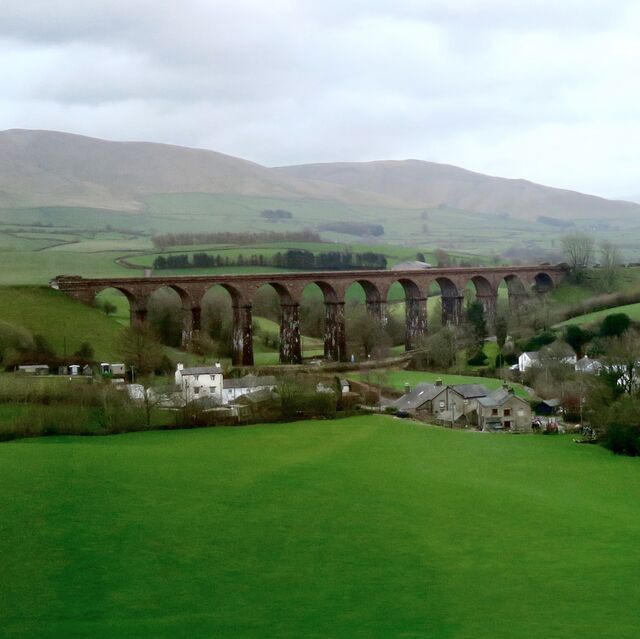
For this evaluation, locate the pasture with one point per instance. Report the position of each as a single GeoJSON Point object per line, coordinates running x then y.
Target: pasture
{"type": "Point", "coordinates": [363, 527]}
{"type": "Point", "coordinates": [632, 310]}
{"type": "Point", "coordinates": [398, 379]}
{"type": "Point", "coordinates": [62, 321]}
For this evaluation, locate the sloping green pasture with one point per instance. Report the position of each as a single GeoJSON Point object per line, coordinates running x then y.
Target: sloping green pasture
{"type": "Point", "coordinates": [632, 310]}
{"type": "Point", "coordinates": [62, 321]}
{"type": "Point", "coordinates": [397, 379]}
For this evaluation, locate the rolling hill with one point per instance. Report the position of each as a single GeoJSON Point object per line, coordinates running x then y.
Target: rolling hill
{"type": "Point", "coordinates": [49, 168]}
{"type": "Point", "coordinates": [428, 184]}
{"type": "Point", "coordinates": [53, 169]}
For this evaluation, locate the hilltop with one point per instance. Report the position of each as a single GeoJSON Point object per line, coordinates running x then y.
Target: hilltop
{"type": "Point", "coordinates": [428, 184]}
{"type": "Point", "coordinates": [53, 169]}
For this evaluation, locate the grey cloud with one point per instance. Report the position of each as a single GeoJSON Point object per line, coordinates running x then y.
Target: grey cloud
{"type": "Point", "coordinates": [491, 85]}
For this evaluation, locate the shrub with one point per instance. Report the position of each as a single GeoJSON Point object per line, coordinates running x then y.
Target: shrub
{"type": "Point", "coordinates": [478, 359]}
{"type": "Point", "coordinates": [614, 325]}
{"type": "Point", "coordinates": [536, 342]}
{"type": "Point", "coordinates": [85, 351]}
{"type": "Point", "coordinates": [13, 338]}
{"type": "Point", "coordinates": [623, 439]}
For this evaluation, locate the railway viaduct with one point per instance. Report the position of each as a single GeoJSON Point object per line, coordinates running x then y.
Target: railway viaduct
{"type": "Point", "coordinates": [521, 282]}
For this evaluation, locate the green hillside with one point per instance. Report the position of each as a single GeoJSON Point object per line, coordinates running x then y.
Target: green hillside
{"type": "Point", "coordinates": [398, 379]}
{"type": "Point", "coordinates": [60, 319]}
{"type": "Point", "coordinates": [362, 528]}
{"type": "Point", "coordinates": [632, 310]}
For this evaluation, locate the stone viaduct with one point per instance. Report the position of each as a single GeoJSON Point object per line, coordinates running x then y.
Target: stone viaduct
{"type": "Point", "coordinates": [521, 281]}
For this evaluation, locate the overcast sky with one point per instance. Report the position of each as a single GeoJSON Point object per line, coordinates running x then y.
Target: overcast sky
{"type": "Point", "coordinates": [548, 90]}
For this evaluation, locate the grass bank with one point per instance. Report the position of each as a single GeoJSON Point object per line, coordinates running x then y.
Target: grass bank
{"type": "Point", "coordinates": [369, 527]}
{"type": "Point", "coordinates": [397, 379]}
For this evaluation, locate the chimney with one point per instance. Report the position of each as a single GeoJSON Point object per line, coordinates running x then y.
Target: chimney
{"type": "Point", "coordinates": [407, 388]}
{"type": "Point", "coordinates": [511, 391]}
{"type": "Point", "coordinates": [438, 382]}
{"type": "Point", "coordinates": [218, 365]}
{"type": "Point", "coordinates": [179, 367]}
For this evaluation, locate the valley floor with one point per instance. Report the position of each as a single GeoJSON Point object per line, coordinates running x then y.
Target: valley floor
{"type": "Point", "coordinates": [363, 527]}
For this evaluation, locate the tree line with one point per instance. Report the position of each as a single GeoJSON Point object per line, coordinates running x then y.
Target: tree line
{"type": "Point", "coordinates": [298, 259]}
{"type": "Point", "coordinates": [167, 240]}
{"type": "Point", "coordinates": [353, 228]}
{"type": "Point", "coordinates": [275, 215]}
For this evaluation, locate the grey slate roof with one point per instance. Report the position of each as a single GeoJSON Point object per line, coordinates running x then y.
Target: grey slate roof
{"type": "Point", "coordinates": [497, 398]}
{"type": "Point", "coordinates": [202, 370]}
{"type": "Point", "coordinates": [255, 397]}
{"type": "Point", "coordinates": [421, 394]}
{"type": "Point", "coordinates": [471, 391]}
{"type": "Point", "coordinates": [249, 381]}
{"type": "Point", "coordinates": [553, 403]}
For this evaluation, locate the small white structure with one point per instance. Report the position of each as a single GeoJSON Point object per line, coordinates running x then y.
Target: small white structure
{"type": "Point", "coordinates": [234, 388]}
{"type": "Point", "coordinates": [587, 365]}
{"type": "Point", "coordinates": [34, 369]}
{"type": "Point", "coordinates": [114, 370]}
{"type": "Point", "coordinates": [528, 360]}
{"type": "Point", "coordinates": [200, 382]}
{"type": "Point", "coordinates": [135, 392]}
{"type": "Point", "coordinates": [74, 369]}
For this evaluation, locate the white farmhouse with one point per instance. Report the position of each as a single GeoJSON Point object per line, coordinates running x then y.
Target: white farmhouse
{"type": "Point", "coordinates": [200, 382]}
{"type": "Point", "coordinates": [527, 360]}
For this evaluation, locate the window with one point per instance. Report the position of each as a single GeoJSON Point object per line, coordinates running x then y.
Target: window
{"type": "Point", "coordinates": [213, 378]}
{"type": "Point", "coordinates": [507, 412]}
{"type": "Point", "coordinates": [507, 425]}
{"type": "Point", "coordinates": [196, 390]}
{"type": "Point", "coordinates": [494, 411]}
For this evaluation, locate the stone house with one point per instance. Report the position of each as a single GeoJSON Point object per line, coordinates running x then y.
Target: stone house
{"type": "Point", "coordinates": [503, 410]}
{"type": "Point", "coordinates": [459, 405]}
{"type": "Point", "coordinates": [423, 401]}
{"type": "Point", "coordinates": [447, 404]}
{"type": "Point", "coordinates": [200, 382]}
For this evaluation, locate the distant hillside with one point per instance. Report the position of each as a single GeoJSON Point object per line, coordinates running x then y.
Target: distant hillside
{"type": "Point", "coordinates": [46, 168]}
{"type": "Point", "coordinates": [428, 184]}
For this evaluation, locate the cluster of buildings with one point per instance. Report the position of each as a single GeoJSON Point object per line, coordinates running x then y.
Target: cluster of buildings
{"type": "Point", "coordinates": [533, 359]}
{"type": "Point", "coordinates": [73, 370]}
{"type": "Point", "coordinates": [207, 386]}
{"type": "Point", "coordinates": [467, 406]}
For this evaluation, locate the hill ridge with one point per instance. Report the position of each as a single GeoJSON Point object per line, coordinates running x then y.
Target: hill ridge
{"type": "Point", "coordinates": [39, 167]}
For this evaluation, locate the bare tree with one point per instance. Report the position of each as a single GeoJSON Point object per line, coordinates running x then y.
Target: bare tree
{"type": "Point", "coordinates": [610, 261]}
{"type": "Point", "coordinates": [441, 348]}
{"type": "Point", "coordinates": [578, 249]}
{"type": "Point", "coordinates": [139, 348]}
{"type": "Point", "coordinates": [622, 361]}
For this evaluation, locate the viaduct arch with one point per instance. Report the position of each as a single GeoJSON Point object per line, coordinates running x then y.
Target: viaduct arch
{"type": "Point", "coordinates": [520, 281]}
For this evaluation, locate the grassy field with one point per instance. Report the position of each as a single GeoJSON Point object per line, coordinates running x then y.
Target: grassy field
{"type": "Point", "coordinates": [368, 527]}
{"type": "Point", "coordinates": [63, 322]}
{"type": "Point", "coordinates": [397, 379]}
{"type": "Point", "coordinates": [632, 310]}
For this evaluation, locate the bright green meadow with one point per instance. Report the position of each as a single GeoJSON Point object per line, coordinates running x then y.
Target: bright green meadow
{"type": "Point", "coordinates": [632, 310]}
{"type": "Point", "coordinates": [364, 527]}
